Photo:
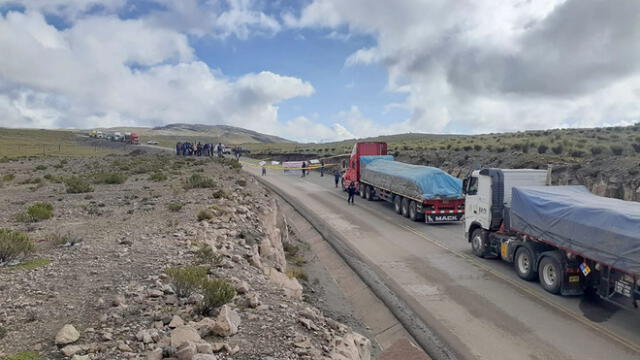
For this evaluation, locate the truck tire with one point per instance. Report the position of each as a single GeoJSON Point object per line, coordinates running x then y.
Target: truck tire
{"type": "Point", "coordinates": [369, 193]}
{"type": "Point", "coordinates": [405, 207]}
{"type": "Point", "coordinates": [523, 263]}
{"type": "Point", "coordinates": [397, 204]}
{"type": "Point", "coordinates": [479, 245]}
{"type": "Point", "coordinates": [550, 274]}
{"type": "Point", "coordinates": [362, 189]}
{"type": "Point", "coordinates": [413, 211]}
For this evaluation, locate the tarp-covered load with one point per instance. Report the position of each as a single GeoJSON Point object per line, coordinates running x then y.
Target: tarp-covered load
{"type": "Point", "coordinates": [415, 181]}
{"type": "Point", "coordinates": [602, 229]}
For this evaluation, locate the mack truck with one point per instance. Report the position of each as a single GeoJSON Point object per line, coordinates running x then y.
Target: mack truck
{"type": "Point", "coordinates": [565, 237]}
{"type": "Point", "coordinates": [421, 193]}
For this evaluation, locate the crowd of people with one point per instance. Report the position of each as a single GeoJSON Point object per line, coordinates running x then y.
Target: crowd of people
{"type": "Point", "coordinates": [198, 149]}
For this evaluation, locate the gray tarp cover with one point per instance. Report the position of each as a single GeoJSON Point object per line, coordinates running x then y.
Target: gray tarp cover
{"type": "Point", "coordinates": [602, 229]}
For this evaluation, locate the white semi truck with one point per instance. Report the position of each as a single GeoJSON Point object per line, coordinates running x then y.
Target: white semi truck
{"type": "Point", "coordinates": [564, 236]}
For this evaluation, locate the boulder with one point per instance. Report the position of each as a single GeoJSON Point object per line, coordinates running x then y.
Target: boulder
{"type": "Point", "coordinates": [204, 357]}
{"type": "Point", "coordinates": [183, 334]}
{"type": "Point", "coordinates": [176, 321]}
{"type": "Point", "coordinates": [227, 322]}
{"type": "Point", "coordinates": [186, 351]}
{"type": "Point", "coordinates": [71, 350]}
{"type": "Point", "coordinates": [352, 346]}
{"type": "Point", "coordinates": [67, 335]}
{"type": "Point", "coordinates": [291, 286]}
{"type": "Point", "coordinates": [155, 354]}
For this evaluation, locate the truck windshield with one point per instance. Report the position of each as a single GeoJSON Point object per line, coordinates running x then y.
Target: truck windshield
{"type": "Point", "coordinates": [472, 186]}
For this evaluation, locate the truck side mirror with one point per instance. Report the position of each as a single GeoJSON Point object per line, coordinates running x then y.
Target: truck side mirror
{"type": "Point", "coordinates": [465, 183]}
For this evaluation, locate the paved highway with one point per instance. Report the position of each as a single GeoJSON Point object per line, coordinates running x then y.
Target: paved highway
{"type": "Point", "coordinates": [478, 306]}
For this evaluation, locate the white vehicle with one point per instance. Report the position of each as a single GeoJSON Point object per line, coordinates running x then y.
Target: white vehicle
{"type": "Point", "coordinates": [117, 136]}
{"type": "Point", "coordinates": [99, 135]}
{"type": "Point", "coordinates": [152, 142]}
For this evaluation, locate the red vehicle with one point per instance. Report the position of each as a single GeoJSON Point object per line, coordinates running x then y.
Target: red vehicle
{"type": "Point", "coordinates": [134, 139]}
{"type": "Point", "coordinates": [421, 193]}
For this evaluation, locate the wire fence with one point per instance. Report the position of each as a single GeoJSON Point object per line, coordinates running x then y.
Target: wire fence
{"type": "Point", "coordinates": [62, 149]}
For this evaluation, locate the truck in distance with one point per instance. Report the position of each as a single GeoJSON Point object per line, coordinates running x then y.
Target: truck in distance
{"type": "Point", "coordinates": [565, 237]}
{"type": "Point", "coordinates": [421, 193]}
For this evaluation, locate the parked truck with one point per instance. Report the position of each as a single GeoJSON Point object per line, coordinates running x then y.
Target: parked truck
{"type": "Point", "coordinates": [131, 138]}
{"type": "Point", "coordinates": [568, 239]}
{"type": "Point", "coordinates": [421, 193]}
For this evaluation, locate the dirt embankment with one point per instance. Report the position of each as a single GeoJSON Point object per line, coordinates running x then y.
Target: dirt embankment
{"type": "Point", "coordinates": [117, 270]}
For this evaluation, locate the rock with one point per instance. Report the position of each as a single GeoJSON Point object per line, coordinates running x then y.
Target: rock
{"type": "Point", "coordinates": [291, 287]}
{"type": "Point", "coordinates": [80, 357]}
{"type": "Point", "coordinates": [155, 354]}
{"type": "Point", "coordinates": [176, 321]}
{"type": "Point", "coordinates": [67, 335]}
{"type": "Point", "coordinates": [204, 357]}
{"type": "Point", "coordinates": [204, 348]}
{"type": "Point", "coordinates": [107, 336]}
{"type": "Point", "coordinates": [144, 336]}
{"type": "Point", "coordinates": [352, 346]}
{"type": "Point", "coordinates": [217, 346]}
{"type": "Point", "coordinates": [124, 347]}
{"type": "Point", "coordinates": [118, 301]}
{"type": "Point", "coordinates": [253, 301]}
{"type": "Point", "coordinates": [183, 334]}
{"type": "Point", "coordinates": [186, 351]}
{"type": "Point", "coordinates": [227, 322]}
{"type": "Point", "coordinates": [71, 350]}
{"type": "Point", "coordinates": [154, 293]}
{"type": "Point", "coordinates": [308, 324]}
{"type": "Point", "coordinates": [231, 349]}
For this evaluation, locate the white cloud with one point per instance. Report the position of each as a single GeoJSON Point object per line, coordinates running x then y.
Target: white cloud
{"type": "Point", "coordinates": [105, 71]}
{"type": "Point", "coordinates": [485, 65]}
{"type": "Point", "coordinates": [304, 130]}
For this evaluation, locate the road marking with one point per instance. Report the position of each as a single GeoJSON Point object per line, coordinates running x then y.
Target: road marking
{"type": "Point", "coordinates": [627, 343]}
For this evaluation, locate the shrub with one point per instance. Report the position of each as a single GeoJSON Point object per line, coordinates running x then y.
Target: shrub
{"type": "Point", "coordinates": [8, 177]}
{"type": "Point", "coordinates": [217, 292]}
{"type": "Point", "coordinates": [467, 148]}
{"type": "Point", "coordinates": [616, 149]}
{"type": "Point", "coordinates": [36, 212]}
{"type": "Point", "coordinates": [205, 215]}
{"type": "Point", "coordinates": [14, 244]}
{"type": "Point", "coordinates": [577, 153]}
{"type": "Point", "coordinates": [297, 273]}
{"type": "Point", "coordinates": [525, 148]}
{"type": "Point", "coordinates": [77, 185]}
{"type": "Point", "coordinates": [110, 178]}
{"type": "Point", "coordinates": [53, 178]}
{"type": "Point", "coordinates": [175, 206]}
{"type": "Point", "coordinates": [158, 176]}
{"type": "Point", "coordinates": [41, 167]}
{"type": "Point", "coordinates": [477, 147]}
{"type": "Point", "coordinates": [187, 279]}
{"type": "Point", "coordinates": [31, 180]}
{"type": "Point", "coordinates": [557, 149]}
{"type": "Point", "coordinates": [542, 148]}
{"type": "Point", "coordinates": [501, 149]}
{"type": "Point", "coordinates": [197, 181]}
{"type": "Point", "coordinates": [23, 355]}
{"type": "Point", "coordinates": [636, 147]}
{"type": "Point", "coordinates": [597, 150]}
{"type": "Point", "coordinates": [205, 256]}
{"type": "Point", "coordinates": [219, 194]}
{"type": "Point", "coordinates": [241, 182]}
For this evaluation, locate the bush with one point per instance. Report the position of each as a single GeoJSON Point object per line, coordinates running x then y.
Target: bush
{"type": "Point", "coordinates": [14, 244]}
{"type": "Point", "coordinates": [217, 292]}
{"type": "Point", "coordinates": [219, 194]}
{"type": "Point", "coordinates": [158, 177]}
{"type": "Point", "coordinates": [557, 149]}
{"type": "Point", "coordinates": [36, 212]}
{"type": "Point", "coordinates": [577, 153]}
{"type": "Point", "coordinates": [187, 279]}
{"type": "Point", "coordinates": [41, 167]}
{"type": "Point", "coordinates": [616, 149]}
{"type": "Point", "coordinates": [77, 185]}
{"type": "Point", "coordinates": [110, 178]}
{"type": "Point", "coordinates": [636, 147]}
{"type": "Point", "coordinates": [597, 150]}
{"type": "Point", "coordinates": [53, 178]}
{"type": "Point", "coordinates": [197, 181]}
{"type": "Point", "coordinates": [205, 256]}
{"type": "Point", "coordinates": [205, 215]}
{"type": "Point", "coordinates": [23, 355]}
{"type": "Point", "coordinates": [175, 206]}
{"type": "Point", "coordinates": [542, 148]}
{"type": "Point", "coordinates": [8, 177]}
{"type": "Point", "coordinates": [241, 182]}
{"type": "Point", "coordinates": [477, 147]}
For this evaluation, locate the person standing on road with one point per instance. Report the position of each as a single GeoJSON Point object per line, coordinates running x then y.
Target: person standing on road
{"type": "Point", "coordinates": [351, 190]}
{"type": "Point", "coordinates": [304, 169]}
{"type": "Point", "coordinates": [336, 177]}
{"type": "Point", "coordinates": [178, 148]}
{"type": "Point", "coordinates": [321, 168]}
{"type": "Point", "coordinates": [264, 171]}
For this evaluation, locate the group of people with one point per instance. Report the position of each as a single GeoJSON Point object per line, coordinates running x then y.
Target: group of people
{"type": "Point", "coordinates": [198, 149]}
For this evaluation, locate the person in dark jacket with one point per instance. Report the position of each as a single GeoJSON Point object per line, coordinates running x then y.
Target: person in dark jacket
{"type": "Point", "coordinates": [321, 167]}
{"type": "Point", "coordinates": [178, 148]}
{"type": "Point", "coordinates": [351, 190]}
{"type": "Point", "coordinates": [337, 177]}
{"type": "Point", "coordinates": [304, 169]}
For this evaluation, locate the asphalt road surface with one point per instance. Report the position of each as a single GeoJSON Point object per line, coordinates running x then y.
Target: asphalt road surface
{"type": "Point", "coordinates": [478, 306]}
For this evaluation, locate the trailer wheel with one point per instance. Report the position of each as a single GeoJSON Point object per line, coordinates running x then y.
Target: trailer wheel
{"type": "Point", "coordinates": [405, 207]}
{"type": "Point", "coordinates": [362, 189]}
{"type": "Point", "coordinates": [523, 262]}
{"type": "Point", "coordinates": [413, 211]}
{"type": "Point", "coordinates": [550, 274]}
{"type": "Point", "coordinates": [369, 193]}
{"type": "Point", "coordinates": [397, 204]}
{"type": "Point", "coordinates": [479, 243]}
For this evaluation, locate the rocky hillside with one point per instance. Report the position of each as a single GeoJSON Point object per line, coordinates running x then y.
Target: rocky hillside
{"type": "Point", "coordinates": [153, 257]}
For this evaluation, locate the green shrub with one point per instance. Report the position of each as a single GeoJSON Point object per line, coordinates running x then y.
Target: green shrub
{"type": "Point", "coordinates": [14, 244]}
{"type": "Point", "coordinates": [542, 148]}
{"type": "Point", "coordinates": [110, 178]}
{"type": "Point", "coordinates": [597, 150]}
{"type": "Point", "coordinates": [205, 256]}
{"type": "Point", "coordinates": [36, 212]}
{"type": "Point", "coordinates": [617, 149]}
{"type": "Point", "coordinates": [158, 176]}
{"type": "Point", "coordinates": [557, 149]}
{"type": "Point", "coordinates": [8, 177]}
{"type": "Point", "coordinates": [477, 147]}
{"type": "Point", "coordinates": [77, 185]}
{"type": "Point", "coordinates": [23, 355]}
{"type": "Point", "coordinates": [217, 292]}
{"type": "Point", "coordinates": [175, 206]}
{"type": "Point", "coordinates": [241, 182]}
{"type": "Point", "coordinates": [53, 178]}
{"type": "Point", "coordinates": [297, 273]}
{"type": "Point", "coordinates": [220, 193]}
{"type": "Point", "coordinates": [31, 180]}
{"type": "Point", "coordinates": [187, 279]}
{"type": "Point", "coordinates": [205, 214]}
{"type": "Point", "coordinates": [197, 181]}
{"type": "Point", "coordinates": [636, 147]}
{"type": "Point", "coordinates": [577, 153]}
{"type": "Point", "coordinates": [41, 167]}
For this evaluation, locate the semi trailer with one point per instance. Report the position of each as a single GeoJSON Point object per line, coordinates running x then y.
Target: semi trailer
{"type": "Point", "coordinates": [565, 237]}
{"type": "Point", "coordinates": [421, 193]}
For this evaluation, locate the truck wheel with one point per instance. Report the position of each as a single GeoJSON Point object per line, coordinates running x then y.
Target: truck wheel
{"type": "Point", "coordinates": [370, 193]}
{"type": "Point", "coordinates": [397, 204]}
{"type": "Point", "coordinates": [523, 263]}
{"type": "Point", "coordinates": [550, 274]}
{"type": "Point", "coordinates": [479, 243]}
{"type": "Point", "coordinates": [413, 211]}
{"type": "Point", "coordinates": [362, 188]}
{"type": "Point", "coordinates": [405, 207]}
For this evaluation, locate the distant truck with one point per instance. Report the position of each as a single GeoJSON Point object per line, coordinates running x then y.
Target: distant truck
{"type": "Point", "coordinates": [421, 193]}
{"type": "Point", "coordinates": [131, 138]}
{"type": "Point", "coordinates": [569, 239]}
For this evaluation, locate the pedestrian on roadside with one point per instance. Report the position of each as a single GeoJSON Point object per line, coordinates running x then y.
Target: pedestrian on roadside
{"type": "Point", "coordinates": [264, 171]}
{"type": "Point", "coordinates": [351, 190]}
{"type": "Point", "coordinates": [178, 148]}
{"type": "Point", "coordinates": [304, 169]}
{"type": "Point", "coordinates": [336, 177]}
{"type": "Point", "coordinates": [321, 168]}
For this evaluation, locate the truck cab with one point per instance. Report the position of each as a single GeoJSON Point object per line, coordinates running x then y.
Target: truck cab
{"type": "Point", "coordinates": [352, 173]}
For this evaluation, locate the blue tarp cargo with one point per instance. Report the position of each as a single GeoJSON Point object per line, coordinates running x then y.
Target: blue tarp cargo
{"type": "Point", "coordinates": [414, 181]}
{"type": "Point", "coordinates": [572, 218]}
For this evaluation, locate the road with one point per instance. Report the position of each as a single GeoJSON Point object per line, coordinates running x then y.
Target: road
{"type": "Point", "coordinates": [478, 306]}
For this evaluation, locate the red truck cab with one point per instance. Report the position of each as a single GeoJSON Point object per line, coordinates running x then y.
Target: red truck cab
{"type": "Point", "coordinates": [135, 139]}
{"type": "Point", "coordinates": [361, 149]}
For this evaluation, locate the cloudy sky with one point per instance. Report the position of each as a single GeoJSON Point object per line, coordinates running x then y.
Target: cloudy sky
{"type": "Point", "coordinates": [320, 70]}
